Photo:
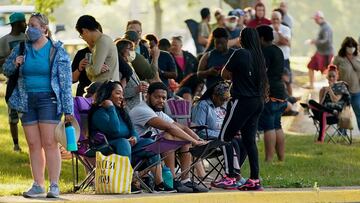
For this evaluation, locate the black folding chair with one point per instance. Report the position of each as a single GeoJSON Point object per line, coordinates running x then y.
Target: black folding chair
{"type": "Point", "coordinates": [200, 153]}
{"type": "Point", "coordinates": [160, 146]}
{"type": "Point", "coordinates": [333, 133]}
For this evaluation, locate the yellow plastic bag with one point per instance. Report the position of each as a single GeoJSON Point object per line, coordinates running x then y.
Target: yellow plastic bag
{"type": "Point", "coordinates": [113, 174]}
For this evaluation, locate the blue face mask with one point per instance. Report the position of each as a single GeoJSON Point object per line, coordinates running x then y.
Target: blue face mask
{"type": "Point", "coordinates": [33, 33]}
{"type": "Point", "coordinates": [137, 49]}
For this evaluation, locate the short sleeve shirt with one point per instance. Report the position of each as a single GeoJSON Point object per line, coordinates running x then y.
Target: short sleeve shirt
{"type": "Point", "coordinates": [286, 32]}
{"type": "Point", "coordinates": [204, 29]}
{"type": "Point", "coordinates": [244, 77]}
{"type": "Point", "coordinates": [140, 116]}
{"type": "Point", "coordinates": [8, 42]}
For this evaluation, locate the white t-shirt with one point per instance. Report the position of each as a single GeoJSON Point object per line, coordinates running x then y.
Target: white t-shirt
{"type": "Point", "coordinates": [141, 114]}
{"type": "Point", "coordinates": [286, 32]}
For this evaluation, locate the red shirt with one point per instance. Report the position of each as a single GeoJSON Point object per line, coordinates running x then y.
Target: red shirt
{"type": "Point", "coordinates": [258, 21]}
{"type": "Point", "coordinates": [180, 60]}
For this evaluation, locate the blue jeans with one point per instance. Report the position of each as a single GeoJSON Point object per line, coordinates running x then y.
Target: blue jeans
{"type": "Point", "coordinates": [122, 147]}
{"type": "Point", "coordinates": [42, 108]}
{"type": "Point", "coordinates": [355, 103]}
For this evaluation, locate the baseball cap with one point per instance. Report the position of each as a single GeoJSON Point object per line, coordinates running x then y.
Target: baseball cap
{"type": "Point", "coordinates": [318, 14]}
{"type": "Point", "coordinates": [16, 17]}
{"type": "Point", "coordinates": [237, 12]}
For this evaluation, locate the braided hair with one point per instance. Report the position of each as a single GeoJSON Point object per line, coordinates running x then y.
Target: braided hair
{"type": "Point", "coordinates": [250, 40]}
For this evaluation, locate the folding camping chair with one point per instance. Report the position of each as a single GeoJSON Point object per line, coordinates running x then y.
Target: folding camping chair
{"type": "Point", "coordinates": [200, 153]}
{"type": "Point", "coordinates": [180, 110]}
{"type": "Point", "coordinates": [87, 145]}
{"type": "Point", "coordinates": [158, 147]}
{"type": "Point", "coordinates": [333, 133]}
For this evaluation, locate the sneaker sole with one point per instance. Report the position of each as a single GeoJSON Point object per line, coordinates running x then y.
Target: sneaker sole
{"type": "Point", "coordinates": [51, 195]}
{"type": "Point", "coordinates": [34, 196]}
{"type": "Point", "coordinates": [252, 189]}
{"type": "Point", "coordinates": [231, 188]}
{"type": "Point", "coordinates": [136, 192]}
{"type": "Point", "coordinates": [165, 192]}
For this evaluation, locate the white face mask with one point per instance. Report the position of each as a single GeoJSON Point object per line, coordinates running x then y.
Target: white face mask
{"type": "Point", "coordinates": [350, 50]}
{"type": "Point", "coordinates": [132, 56]}
{"type": "Point", "coordinates": [231, 25]}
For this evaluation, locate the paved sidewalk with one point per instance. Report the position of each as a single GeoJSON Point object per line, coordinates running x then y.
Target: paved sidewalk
{"type": "Point", "coordinates": [302, 124]}
{"type": "Point", "coordinates": [348, 194]}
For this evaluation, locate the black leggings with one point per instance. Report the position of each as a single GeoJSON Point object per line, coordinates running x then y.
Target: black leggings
{"type": "Point", "coordinates": [243, 114]}
{"type": "Point", "coordinates": [234, 156]}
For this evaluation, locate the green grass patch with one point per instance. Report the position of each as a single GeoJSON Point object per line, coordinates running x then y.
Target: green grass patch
{"type": "Point", "coordinates": [307, 164]}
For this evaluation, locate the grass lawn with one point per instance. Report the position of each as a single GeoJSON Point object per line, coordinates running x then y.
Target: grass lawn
{"type": "Point", "coordinates": [306, 165]}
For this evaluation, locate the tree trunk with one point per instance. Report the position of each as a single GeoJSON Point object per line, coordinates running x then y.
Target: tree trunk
{"type": "Point", "coordinates": [158, 18]}
{"type": "Point", "coordinates": [240, 3]}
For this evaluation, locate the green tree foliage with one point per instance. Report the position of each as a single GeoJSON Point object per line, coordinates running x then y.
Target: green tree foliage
{"type": "Point", "coordinates": [47, 7]}
{"type": "Point", "coordinates": [240, 3]}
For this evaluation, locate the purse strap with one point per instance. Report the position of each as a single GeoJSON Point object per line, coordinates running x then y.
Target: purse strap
{"type": "Point", "coordinates": [352, 65]}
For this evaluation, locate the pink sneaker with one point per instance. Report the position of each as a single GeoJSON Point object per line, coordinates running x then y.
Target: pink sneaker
{"type": "Point", "coordinates": [224, 182]}
{"type": "Point", "coordinates": [251, 185]}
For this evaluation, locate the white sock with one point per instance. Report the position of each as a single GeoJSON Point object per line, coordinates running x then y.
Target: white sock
{"type": "Point", "coordinates": [185, 180]}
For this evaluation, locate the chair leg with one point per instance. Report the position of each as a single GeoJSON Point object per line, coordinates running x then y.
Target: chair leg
{"type": "Point", "coordinates": [73, 172]}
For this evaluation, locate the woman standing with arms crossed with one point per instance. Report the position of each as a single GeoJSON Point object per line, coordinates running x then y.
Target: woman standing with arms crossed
{"type": "Point", "coordinates": [42, 95]}
{"type": "Point", "coordinates": [246, 69]}
{"type": "Point", "coordinates": [348, 63]}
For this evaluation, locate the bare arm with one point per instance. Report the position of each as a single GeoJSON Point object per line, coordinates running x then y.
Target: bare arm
{"type": "Point", "coordinates": [225, 74]}
{"type": "Point", "coordinates": [202, 40]}
{"type": "Point", "coordinates": [334, 98]}
{"type": "Point", "coordinates": [170, 128]}
{"type": "Point", "coordinates": [234, 42]}
{"type": "Point", "coordinates": [202, 72]}
{"type": "Point", "coordinates": [187, 130]}
{"type": "Point", "coordinates": [283, 40]}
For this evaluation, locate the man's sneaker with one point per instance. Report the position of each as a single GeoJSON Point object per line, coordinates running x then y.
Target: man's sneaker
{"type": "Point", "coordinates": [195, 187]}
{"type": "Point", "coordinates": [35, 191]}
{"type": "Point", "coordinates": [164, 188]}
{"type": "Point", "coordinates": [17, 148]}
{"type": "Point", "coordinates": [54, 191]}
{"type": "Point", "coordinates": [181, 188]}
{"type": "Point", "coordinates": [251, 185]}
{"type": "Point", "coordinates": [224, 182]}
{"type": "Point", "coordinates": [135, 189]}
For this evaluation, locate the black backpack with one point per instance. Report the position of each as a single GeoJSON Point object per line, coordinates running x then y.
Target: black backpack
{"type": "Point", "coordinates": [12, 81]}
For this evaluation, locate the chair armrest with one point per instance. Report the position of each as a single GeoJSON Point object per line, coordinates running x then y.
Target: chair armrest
{"type": "Point", "coordinates": [198, 127]}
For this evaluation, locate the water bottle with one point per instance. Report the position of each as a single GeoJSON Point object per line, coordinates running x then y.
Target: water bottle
{"type": "Point", "coordinates": [71, 144]}
{"type": "Point", "coordinates": [167, 176]}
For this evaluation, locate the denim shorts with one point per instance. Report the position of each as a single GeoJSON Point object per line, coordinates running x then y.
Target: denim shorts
{"type": "Point", "coordinates": [270, 118]}
{"type": "Point", "coordinates": [42, 108]}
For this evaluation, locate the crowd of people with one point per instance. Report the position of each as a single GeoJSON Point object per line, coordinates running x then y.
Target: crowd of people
{"type": "Point", "coordinates": [240, 83]}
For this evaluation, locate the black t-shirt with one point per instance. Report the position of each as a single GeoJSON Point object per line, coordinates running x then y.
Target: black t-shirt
{"type": "Point", "coordinates": [166, 63]}
{"type": "Point", "coordinates": [275, 68]}
{"type": "Point", "coordinates": [83, 79]}
{"type": "Point", "coordinates": [244, 78]}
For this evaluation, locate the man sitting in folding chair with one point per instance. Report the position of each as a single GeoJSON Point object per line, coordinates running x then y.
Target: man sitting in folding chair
{"type": "Point", "coordinates": [149, 116]}
{"type": "Point", "coordinates": [333, 99]}
{"type": "Point", "coordinates": [108, 116]}
{"type": "Point", "coordinates": [210, 110]}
